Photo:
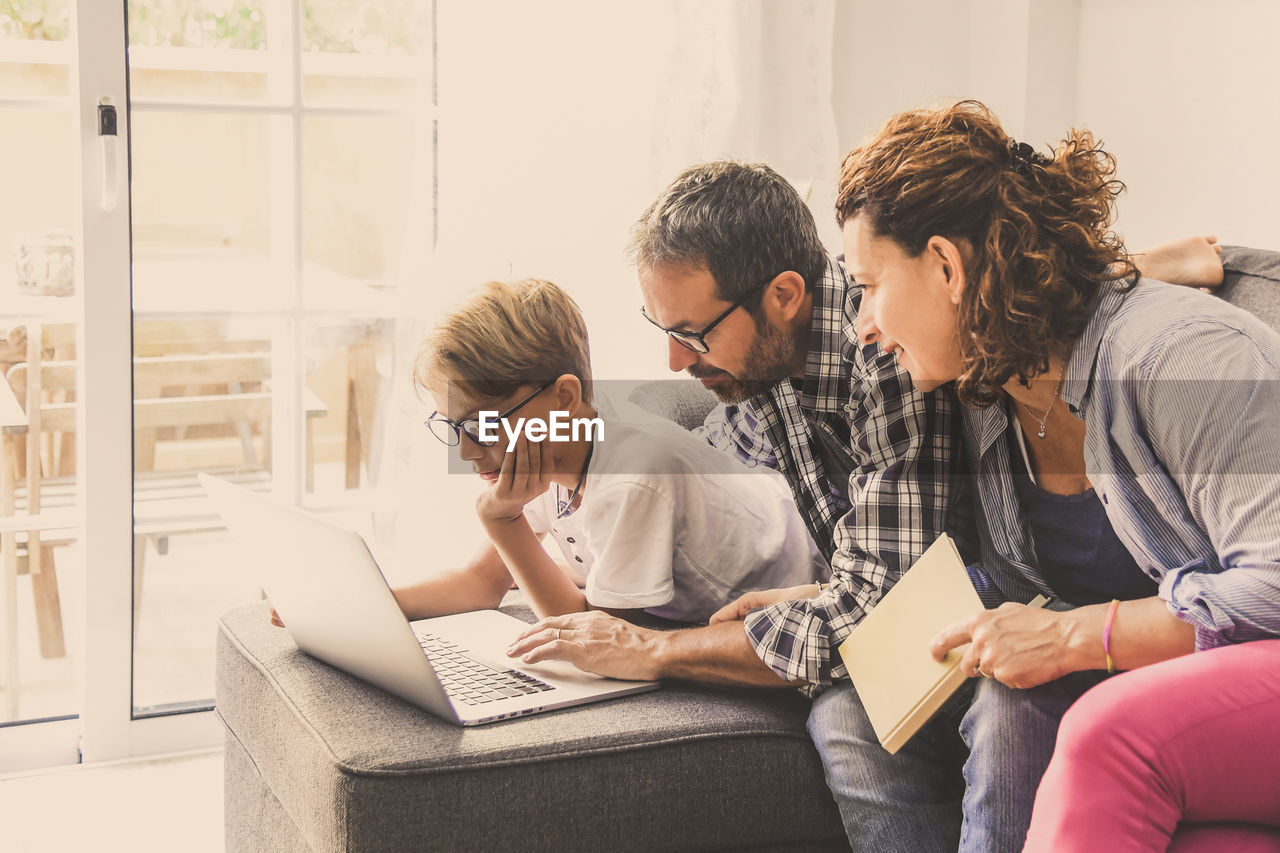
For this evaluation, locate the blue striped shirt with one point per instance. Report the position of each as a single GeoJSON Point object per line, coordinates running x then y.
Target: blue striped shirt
{"type": "Point", "coordinates": [1181, 403]}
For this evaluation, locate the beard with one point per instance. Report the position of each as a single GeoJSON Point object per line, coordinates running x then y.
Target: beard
{"type": "Point", "coordinates": [767, 362]}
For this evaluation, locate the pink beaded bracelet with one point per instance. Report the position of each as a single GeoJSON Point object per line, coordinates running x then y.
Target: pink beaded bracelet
{"type": "Point", "coordinates": [1106, 634]}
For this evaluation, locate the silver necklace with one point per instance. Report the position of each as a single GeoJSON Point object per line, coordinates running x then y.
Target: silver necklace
{"type": "Point", "coordinates": [564, 507]}
{"type": "Point", "coordinates": [1048, 411]}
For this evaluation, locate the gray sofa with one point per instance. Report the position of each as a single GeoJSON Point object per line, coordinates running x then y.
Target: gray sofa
{"type": "Point", "coordinates": [319, 761]}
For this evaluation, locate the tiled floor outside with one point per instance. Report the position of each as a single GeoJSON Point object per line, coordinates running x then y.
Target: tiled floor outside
{"type": "Point", "coordinates": [165, 804]}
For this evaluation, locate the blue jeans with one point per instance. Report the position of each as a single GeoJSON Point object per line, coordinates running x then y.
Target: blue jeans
{"type": "Point", "coordinates": [966, 781]}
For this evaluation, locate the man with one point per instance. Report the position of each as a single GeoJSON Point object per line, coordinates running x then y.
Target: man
{"type": "Point", "coordinates": [732, 268]}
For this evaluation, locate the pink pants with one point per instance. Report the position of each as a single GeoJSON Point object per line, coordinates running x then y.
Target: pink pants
{"type": "Point", "coordinates": [1182, 755]}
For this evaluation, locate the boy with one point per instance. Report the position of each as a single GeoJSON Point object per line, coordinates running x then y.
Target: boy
{"type": "Point", "coordinates": [646, 515]}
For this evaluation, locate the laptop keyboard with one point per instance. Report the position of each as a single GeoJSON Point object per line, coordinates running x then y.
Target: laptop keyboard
{"type": "Point", "coordinates": [471, 682]}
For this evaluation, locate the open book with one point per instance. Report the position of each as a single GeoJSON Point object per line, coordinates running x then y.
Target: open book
{"type": "Point", "coordinates": [900, 684]}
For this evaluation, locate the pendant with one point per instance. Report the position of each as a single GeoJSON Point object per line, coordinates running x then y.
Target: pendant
{"type": "Point", "coordinates": [1040, 432]}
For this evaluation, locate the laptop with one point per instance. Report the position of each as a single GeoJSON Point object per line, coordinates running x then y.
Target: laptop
{"type": "Point", "coordinates": [329, 591]}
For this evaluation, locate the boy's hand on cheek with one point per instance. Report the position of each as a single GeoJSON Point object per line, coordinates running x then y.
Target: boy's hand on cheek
{"type": "Point", "coordinates": [525, 474]}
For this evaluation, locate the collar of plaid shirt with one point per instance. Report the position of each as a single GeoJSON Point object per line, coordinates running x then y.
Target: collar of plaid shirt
{"type": "Point", "coordinates": [796, 419]}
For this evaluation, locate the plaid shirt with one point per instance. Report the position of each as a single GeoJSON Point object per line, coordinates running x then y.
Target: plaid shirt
{"type": "Point", "coordinates": [870, 462]}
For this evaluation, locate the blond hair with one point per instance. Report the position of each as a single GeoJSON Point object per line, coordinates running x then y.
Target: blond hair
{"type": "Point", "coordinates": [507, 335]}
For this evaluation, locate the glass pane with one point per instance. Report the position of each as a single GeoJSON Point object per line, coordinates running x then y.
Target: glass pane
{"type": "Point", "coordinates": [189, 579]}
{"type": "Point", "coordinates": [203, 387]}
{"type": "Point", "coordinates": [41, 564]}
{"type": "Point", "coordinates": [246, 259]}
{"type": "Point", "coordinates": [38, 187]}
{"type": "Point", "coordinates": [369, 54]}
{"type": "Point", "coordinates": [172, 84]}
{"type": "Point", "coordinates": [202, 230]}
{"type": "Point", "coordinates": [371, 26]}
{"type": "Point", "coordinates": [211, 274]}
{"type": "Point", "coordinates": [356, 182]}
{"type": "Point", "coordinates": [35, 20]}
{"type": "Point", "coordinates": [235, 24]}
{"type": "Point", "coordinates": [40, 76]}
{"type": "Point", "coordinates": [385, 85]}
{"type": "Point", "coordinates": [350, 370]}
{"type": "Point", "coordinates": [35, 56]}
{"type": "Point", "coordinates": [214, 51]}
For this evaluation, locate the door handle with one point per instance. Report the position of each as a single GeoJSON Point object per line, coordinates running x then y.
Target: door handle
{"type": "Point", "coordinates": [109, 143]}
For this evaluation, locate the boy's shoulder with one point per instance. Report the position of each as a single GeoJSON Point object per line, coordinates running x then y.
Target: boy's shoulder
{"type": "Point", "coordinates": [640, 444]}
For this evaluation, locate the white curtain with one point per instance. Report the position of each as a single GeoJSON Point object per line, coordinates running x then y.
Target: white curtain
{"type": "Point", "coordinates": [559, 123]}
{"type": "Point", "coordinates": [751, 79]}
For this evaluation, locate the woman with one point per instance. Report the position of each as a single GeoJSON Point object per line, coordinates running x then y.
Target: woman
{"type": "Point", "coordinates": [1125, 437]}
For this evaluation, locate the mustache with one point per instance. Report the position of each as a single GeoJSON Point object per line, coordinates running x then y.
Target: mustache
{"type": "Point", "coordinates": [698, 371]}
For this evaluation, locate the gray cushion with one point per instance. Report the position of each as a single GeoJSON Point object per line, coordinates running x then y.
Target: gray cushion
{"type": "Point", "coordinates": [1251, 280]}
{"type": "Point", "coordinates": [255, 820]}
{"type": "Point", "coordinates": [684, 401]}
{"type": "Point", "coordinates": [353, 768]}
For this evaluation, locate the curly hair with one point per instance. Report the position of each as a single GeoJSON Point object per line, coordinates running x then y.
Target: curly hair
{"type": "Point", "coordinates": [1038, 230]}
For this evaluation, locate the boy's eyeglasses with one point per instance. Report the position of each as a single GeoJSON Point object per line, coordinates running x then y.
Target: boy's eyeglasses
{"type": "Point", "coordinates": [450, 432]}
{"type": "Point", "coordinates": [696, 341]}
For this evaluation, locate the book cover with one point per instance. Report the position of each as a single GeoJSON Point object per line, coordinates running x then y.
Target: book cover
{"type": "Point", "coordinates": [900, 684]}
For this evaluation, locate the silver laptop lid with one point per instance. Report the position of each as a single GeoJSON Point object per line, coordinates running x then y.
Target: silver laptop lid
{"type": "Point", "coordinates": [328, 589]}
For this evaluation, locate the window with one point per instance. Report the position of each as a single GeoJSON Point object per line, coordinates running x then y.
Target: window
{"type": "Point", "coordinates": [282, 173]}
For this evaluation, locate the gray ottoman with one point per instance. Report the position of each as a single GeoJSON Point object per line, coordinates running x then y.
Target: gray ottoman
{"type": "Point", "coordinates": [317, 760]}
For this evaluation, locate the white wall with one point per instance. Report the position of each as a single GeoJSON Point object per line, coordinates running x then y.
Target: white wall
{"type": "Point", "coordinates": [542, 171]}
{"type": "Point", "coordinates": [561, 120]}
{"type": "Point", "coordinates": [1016, 56]}
{"type": "Point", "coordinates": [1186, 94]}
{"type": "Point", "coordinates": [891, 57]}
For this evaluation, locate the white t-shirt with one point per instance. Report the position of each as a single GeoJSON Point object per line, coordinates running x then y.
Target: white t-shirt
{"type": "Point", "coordinates": [669, 524]}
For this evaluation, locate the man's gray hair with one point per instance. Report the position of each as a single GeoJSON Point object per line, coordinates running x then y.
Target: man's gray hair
{"type": "Point", "coordinates": [742, 221]}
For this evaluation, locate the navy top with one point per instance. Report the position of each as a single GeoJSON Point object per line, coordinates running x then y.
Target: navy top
{"type": "Point", "coordinates": [1078, 552]}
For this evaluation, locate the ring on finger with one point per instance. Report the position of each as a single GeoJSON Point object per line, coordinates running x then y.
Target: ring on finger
{"type": "Point", "coordinates": [984, 674]}
{"type": "Point", "coordinates": [557, 633]}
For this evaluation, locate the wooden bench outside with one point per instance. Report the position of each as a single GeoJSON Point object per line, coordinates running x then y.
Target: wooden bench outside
{"type": "Point", "coordinates": [38, 479]}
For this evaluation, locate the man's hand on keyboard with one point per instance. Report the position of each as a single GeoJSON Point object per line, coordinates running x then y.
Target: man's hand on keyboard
{"type": "Point", "coordinates": [593, 641]}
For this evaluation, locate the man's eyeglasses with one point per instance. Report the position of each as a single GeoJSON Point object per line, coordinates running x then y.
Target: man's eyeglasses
{"type": "Point", "coordinates": [450, 432]}
{"type": "Point", "coordinates": [697, 341]}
